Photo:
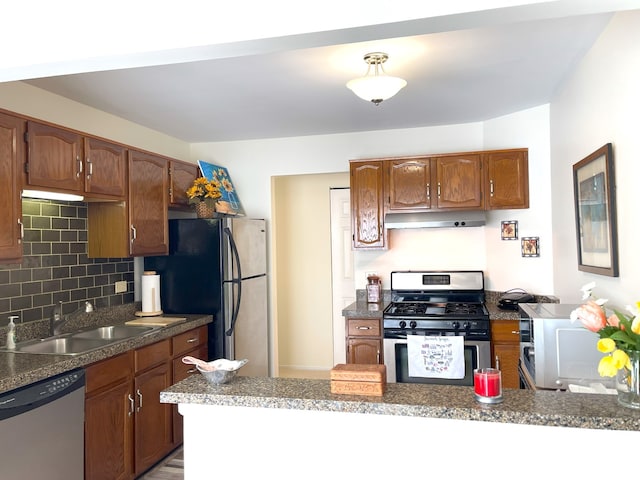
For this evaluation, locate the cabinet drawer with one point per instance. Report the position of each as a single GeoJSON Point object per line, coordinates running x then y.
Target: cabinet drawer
{"type": "Point", "coordinates": [182, 370]}
{"type": "Point", "coordinates": [106, 372]}
{"type": "Point", "coordinates": [189, 340]}
{"type": "Point", "coordinates": [363, 327]}
{"type": "Point", "coordinates": [153, 354]}
{"type": "Point", "coordinates": [505, 331]}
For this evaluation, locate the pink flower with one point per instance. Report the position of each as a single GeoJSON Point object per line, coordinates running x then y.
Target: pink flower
{"type": "Point", "coordinates": [592, 316]}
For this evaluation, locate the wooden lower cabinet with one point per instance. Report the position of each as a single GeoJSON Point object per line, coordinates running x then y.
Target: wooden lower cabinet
{"type": "Point", "coordinates": [153, 420]}
{"type": "Point", "coordinates": [194, 344]}
{"type": "Point", "coordinates": [127, 429]}
{"type": "Point", "coordinates": [108, 415]}
{"type": "Point", "coordinates": [364, 341]}
{"type": "Point", "coordinates": [505, 344]}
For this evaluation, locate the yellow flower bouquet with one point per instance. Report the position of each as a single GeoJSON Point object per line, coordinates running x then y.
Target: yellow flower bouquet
{"type": "Point", "coordinates": [619, 333]}
{"type": "Point", "coordinates": [205, 191]}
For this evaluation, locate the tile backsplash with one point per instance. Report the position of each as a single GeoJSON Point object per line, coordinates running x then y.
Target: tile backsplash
{"type": "Point", "coordinates": [55, 266]}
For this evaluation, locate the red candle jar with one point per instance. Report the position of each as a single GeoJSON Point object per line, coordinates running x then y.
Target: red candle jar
{"type": "Point", "coordinates": [487, 384]}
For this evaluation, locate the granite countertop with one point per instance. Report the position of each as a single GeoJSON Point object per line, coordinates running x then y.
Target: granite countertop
{"type": "Point", "coordinates": [19, 369]}
{"type": "Point", "coordinates": [548, 408]}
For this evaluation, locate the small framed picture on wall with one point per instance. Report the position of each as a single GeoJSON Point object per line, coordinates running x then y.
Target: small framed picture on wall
{"type": "Point", "coordinates": [530, 246]}
{"type": "Point", "coordinates": [509, 230]}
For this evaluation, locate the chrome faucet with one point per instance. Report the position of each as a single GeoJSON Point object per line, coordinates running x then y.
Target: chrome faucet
{"type": "Point", "coordinates": [56, 321]}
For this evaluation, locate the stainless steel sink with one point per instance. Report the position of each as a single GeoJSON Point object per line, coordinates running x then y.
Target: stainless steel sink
{"type": "Point", "coordinates": [60, 346]}
{"type": "Point", "coordinates": [113, 332]}
{"type": "Point", "coordinates": [81, 342]}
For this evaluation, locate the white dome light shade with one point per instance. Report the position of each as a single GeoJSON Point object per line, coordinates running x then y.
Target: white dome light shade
{"type": "Point", "coordinates": [376, 86]}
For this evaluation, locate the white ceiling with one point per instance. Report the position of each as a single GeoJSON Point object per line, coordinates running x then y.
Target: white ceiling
{"type": "Point", "coordinates": [455, 75]}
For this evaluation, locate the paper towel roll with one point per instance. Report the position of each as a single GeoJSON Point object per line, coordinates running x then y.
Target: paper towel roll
{"type": "Point", "coordinates": [151, 293]}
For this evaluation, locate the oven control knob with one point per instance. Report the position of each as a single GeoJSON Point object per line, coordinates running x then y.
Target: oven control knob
{"type": "Point", "coordinates": [413, 324]}
{"type": "Point", "coordinates": [466, 325]}
{"type": "Point", "coordinates": [455, 325]}
{"type": "Point", "coordinates": [403, 324]}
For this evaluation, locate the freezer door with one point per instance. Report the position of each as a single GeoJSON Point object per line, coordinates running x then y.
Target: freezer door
{"type": "Point", "coordinates": [250, 337]}
{"type": "Point", "coordinates": [249, 236]}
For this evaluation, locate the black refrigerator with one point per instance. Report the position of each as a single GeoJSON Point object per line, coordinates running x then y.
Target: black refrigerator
{"type": "Point", "coordinates": [218, 267]}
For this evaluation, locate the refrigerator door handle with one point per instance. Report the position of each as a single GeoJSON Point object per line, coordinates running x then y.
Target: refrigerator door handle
{"type": "Point", "coordinates": [237, 280]}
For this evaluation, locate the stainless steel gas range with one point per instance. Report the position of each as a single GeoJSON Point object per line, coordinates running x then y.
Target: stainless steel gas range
{"type": "Point", "coordinates": [436, 303]}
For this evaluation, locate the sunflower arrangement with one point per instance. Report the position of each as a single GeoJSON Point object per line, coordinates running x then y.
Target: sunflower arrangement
{"type": "Point", "coordinates": [205, 191]}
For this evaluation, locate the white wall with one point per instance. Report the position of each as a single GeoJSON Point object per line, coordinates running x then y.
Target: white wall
{"type": "Point", "coordinates": [27, 100]}
{"type": "Point", "coordinates": [599, 104]}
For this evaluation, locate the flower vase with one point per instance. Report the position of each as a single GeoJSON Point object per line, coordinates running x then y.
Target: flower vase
{"type": "Point", "coordinates": [204, 211]}
{"type": "Point", "coordinates": [628, 382]}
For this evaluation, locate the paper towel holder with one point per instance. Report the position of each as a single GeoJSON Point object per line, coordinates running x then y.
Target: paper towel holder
{"type": "Point", "coordinates": [155, 296]}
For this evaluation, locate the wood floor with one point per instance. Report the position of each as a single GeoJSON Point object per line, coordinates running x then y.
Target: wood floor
{"type": "Point", "coordinates": [171, 468]}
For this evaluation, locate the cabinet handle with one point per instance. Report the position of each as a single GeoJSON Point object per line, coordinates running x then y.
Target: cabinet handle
{"type": "Point", "coordinates": [428, 191]}
{"type": "Point", "coordinates": [364, 328]}
{"type": "Point", "coordinates": [134, 234]}
{"type": "Point", "coordinates": [515, 332]}
{"type": "Point", "coordinates": [438, 189]}
{"type": "Point", "coordinates": [378, 356]}
{"type": "Point", "coordinates": [191, 371]}
{"type": "Point", "coordinates": [79, 166]}
{"type": "Point", "coordinates": [491, 187]}
{"type": "Point", "coordinates": [192, 340]}
{"type": "Point", "coordinates": [90, 164]}
{"type": "Point", "coordinates": [21, 230]}
{"type": "Point", "coordinates": [140, 401]}
{"type": "Point", "coordinates": [131, 405]}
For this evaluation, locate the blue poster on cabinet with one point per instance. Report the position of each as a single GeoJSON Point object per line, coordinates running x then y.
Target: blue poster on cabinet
{"type": "Point", "coordinates": [229, 203]}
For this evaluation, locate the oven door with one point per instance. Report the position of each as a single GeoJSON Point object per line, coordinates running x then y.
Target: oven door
{"type": "Point", "coordinates": [477, 354]}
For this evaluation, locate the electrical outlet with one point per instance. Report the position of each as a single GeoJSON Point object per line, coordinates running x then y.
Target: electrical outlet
{"type": "Point", "coordinates": [121, 286]}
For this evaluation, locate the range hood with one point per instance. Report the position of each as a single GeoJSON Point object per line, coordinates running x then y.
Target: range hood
{"type": "Point", "coordinates": [435, 219]}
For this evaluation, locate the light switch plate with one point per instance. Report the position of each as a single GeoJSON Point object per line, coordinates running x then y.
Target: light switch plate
{"type": "Point", "coordinates": [121, 286]}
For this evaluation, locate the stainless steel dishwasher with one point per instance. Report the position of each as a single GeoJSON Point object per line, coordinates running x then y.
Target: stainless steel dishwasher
{"type": "Point", "coordinates": [42, 429]}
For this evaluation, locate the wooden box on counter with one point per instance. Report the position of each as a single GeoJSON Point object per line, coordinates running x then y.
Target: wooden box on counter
{"type": "Point", "coordinates": [358, 379]}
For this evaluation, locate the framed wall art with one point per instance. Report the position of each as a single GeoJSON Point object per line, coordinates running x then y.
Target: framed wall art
{"type": "Point", "coordinates": [530, 246]}
{"type": "Point", "coordinates": [595, 208]}
{"type": "Point", "coordinates": [509, 230]}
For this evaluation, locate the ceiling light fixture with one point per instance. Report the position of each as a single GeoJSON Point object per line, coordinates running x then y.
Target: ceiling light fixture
{"type": "Point", "coordinates": [376, 85]}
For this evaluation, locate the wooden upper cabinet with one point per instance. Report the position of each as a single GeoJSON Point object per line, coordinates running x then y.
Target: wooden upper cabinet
{"type": "Point", "coordinates": [409, 184]}
{"type": "Point", "coordinates": [459, 182]}
{"type": "Point", "coordinates": [507, 182]}
{"type": "Point", "coordinates": [148, 204]}
{"type": "Point", "coordinates": [367, 204]}
{"type": "Point", "coordinates": [181, 177]}
{"type": "Point", "coordinates": [54, 158]}
{"type": "Point", "coordinates": [11, 158]}
{"type": "Point", "coordinates": [105, 168]}
{"type": "Point", "coordinates": [63, 160]}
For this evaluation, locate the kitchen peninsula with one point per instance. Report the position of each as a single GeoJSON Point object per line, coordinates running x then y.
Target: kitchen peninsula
{"type": "Point", "coordinates": [296, 428]}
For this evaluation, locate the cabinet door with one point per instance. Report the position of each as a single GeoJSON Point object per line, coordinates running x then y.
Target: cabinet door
{"type": "Point", "coordinates": [153, 420]}
{"type": "Point", "coordinates": [54, 158]}
{"type": "Point", "coordinates": [109, 434]}
{"type": "Point", "coordinates": [505, 339]}
{"type": "Point", "coordinates": [409, 183]}
{"type": "Point", "coordinates": [459, 182]}
{"type": "Point", "coordinates": [364, 350]}
{"type": "Point", "coordinates": [105, 168]}
{"type": "Point", "coordinates": [181, 177]}
{"type": "Point", "coordinates": [148, 204]}
{"type": "Point", "coordinates": [11, 158]}
{"type": "Point", "coordinates": [367, 205]}
{"type": "Point", "coordinates": [180, 372]}
{"type": "Point", "coordinates": [507, 179]}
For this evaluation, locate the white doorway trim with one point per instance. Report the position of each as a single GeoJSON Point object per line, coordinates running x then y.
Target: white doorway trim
{"type": "Point", "coordinates": [343, 291]}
